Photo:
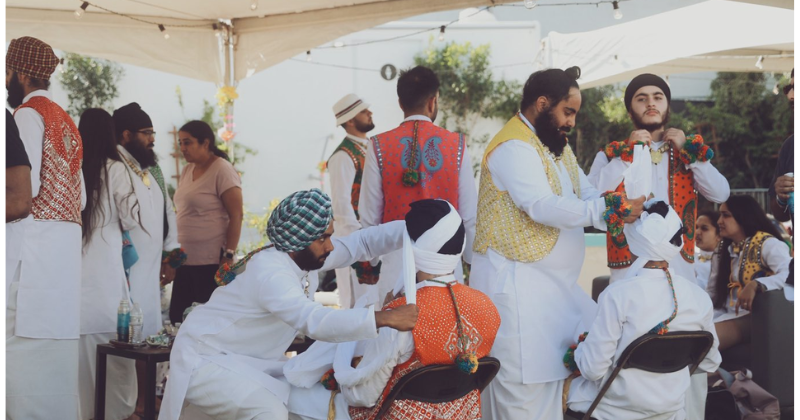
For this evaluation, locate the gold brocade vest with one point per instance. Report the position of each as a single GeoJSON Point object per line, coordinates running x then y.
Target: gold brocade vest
{"type": "Point", "coordinates": [751, 263]}
{"type": "Point", "coordinates": [501, 225]}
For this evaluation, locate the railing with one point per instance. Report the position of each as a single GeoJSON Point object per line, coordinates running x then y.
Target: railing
{"type": "Point", "coordinates": [760, 194]}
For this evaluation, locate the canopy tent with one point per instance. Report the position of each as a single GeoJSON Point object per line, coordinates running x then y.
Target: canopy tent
{"type": "Point", "coordinates": [716, 35]}
{"type": "Point", "coordinates": [246, 41]}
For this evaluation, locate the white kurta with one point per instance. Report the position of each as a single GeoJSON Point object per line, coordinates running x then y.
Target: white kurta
{"type": "Point", "coordinates": [148, 239]}
{"type": "Point", "coordinates": [43, 275]}
{"type": "Point", "coordinates": [707, 181]}
{"type": "Point", "coordinates": [702, 267]}
{"type": "Point", "coordinates": [370, 209]}
{"type": "Point", "coordinates": [627, 310]}
{"type": "Point", "coordinates": [600, 161]}
{"type": "Point", "coordinates": [342, 172]}
{"type": "Point", "coordinates": [775, 254]}
{"type": "Point", "coordinates": [247, 325]}
{"type": "Point", "coordinates": [541, 306]}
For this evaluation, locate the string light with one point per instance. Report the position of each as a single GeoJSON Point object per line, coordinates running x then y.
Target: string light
{"type": "Point", "coordinates": [530, 4]}
{"type": "Point", "coordinates": [441, 33]}
{"type": "Point", "coordinates": [163, 31]}
{"type": "Point", "coordinates": [760, 62]}
{"type": "Point", "coordinates": [308, 56]}
{"type": "Point", "coordinates": [79, 11]}
{"type": "Point", "coordinates": [617, 12]}
{"type": "Point", "coordinates": [338, 44]}
{"type": "Point", "coordinates": [253, 5]}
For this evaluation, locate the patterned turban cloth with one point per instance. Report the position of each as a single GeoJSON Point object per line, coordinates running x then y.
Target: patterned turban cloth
{"type": "Point", "coordinates": [299, 220]}
{"type": "Point", "coordinates": [31, 57]}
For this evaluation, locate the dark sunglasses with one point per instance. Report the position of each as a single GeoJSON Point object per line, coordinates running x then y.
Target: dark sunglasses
{"type": "Point", "coordinates": [788, 88]}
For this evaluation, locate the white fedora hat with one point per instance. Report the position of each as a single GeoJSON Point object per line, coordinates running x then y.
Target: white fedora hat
{"type": "Point", "coordinates": [348, 107]}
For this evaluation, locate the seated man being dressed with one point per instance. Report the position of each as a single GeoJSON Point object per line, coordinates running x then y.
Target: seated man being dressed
{"type": "Point", "coordinates": [651, 299]}
{"type": "Point", "coordinates": [456, 325]}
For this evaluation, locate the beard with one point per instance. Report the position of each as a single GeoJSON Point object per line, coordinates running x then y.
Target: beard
{"type": "Point", "coordinates": [641, 125]}
{"type": "Point", "coordinates": [144, 155]}
{"type": "Point", "coordinates": [15, 92]}
{"type": "Point", "coordinates": [364, 127]}
{"type": "Point", "coordinates": [307, 261]}
{"type": "Point", "coordinates": [551, 135]}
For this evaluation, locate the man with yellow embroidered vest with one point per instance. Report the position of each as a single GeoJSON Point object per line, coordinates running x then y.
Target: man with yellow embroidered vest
{"type": "Point", "coordinates": [414, 161]}
{"type": "Point", "coordinates": [43, 251]}
{"type": "Point", "coordinates": [681, 167]}
{"type": "Point", "coordinates": [456, 325]}
{"type": "Point", "coordinates": [346, 168]}
{"type": "Point", "coordinates": [533, 205]}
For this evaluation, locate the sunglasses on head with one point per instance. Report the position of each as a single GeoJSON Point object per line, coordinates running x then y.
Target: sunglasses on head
{"type": "Point", "coordinates": [788, 88]}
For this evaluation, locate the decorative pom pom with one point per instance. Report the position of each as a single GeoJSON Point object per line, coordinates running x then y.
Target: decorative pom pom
{"type": "Point", "coordinates": [329, 381]}
{"type": "Point", "coordinates": [467, 362]}
{"type": "Point", "coordinates": [410, 177]}
{"type": "Point", "coordinates": [174, 258]}
{"type": "Point", "coordinates": [569, 359]}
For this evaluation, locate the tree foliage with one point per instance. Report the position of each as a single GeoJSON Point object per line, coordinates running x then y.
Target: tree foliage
{"type": "Point", "coordinates": [90, 83]}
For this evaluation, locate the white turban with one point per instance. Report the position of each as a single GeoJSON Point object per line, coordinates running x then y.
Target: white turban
{"type": "Point", "coordinates": [649, 237]}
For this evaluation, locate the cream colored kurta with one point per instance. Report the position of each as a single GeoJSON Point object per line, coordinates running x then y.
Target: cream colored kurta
{"type": "Point", "coordinates": [247, 325]}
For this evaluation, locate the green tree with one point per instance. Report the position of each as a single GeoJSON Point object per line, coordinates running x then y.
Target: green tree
{"type": "Point", "coordinates": [602, 119]}
{"type": "Point", "coordinates": [90, 83]}
{"type": "Point", "coordinates": [468, 91]}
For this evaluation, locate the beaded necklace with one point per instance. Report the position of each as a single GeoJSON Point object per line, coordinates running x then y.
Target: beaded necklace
{"type": "Point", "coordinates": [141, 173]}
{"type": "Point", "coordinates": [656, 155]}
{"type": "Point", "coordinates": [663, 326]}
{"type": "Point", "coordinates": [467, 361]}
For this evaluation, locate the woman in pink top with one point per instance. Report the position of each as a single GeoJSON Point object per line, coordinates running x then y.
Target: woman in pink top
{"type": "Point", "coordinates": [209, 208]}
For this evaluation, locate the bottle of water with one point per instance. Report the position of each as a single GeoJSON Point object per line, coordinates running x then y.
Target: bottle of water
{"type": "Point", "coordinates": [123, 321]}
{"type": "Point", "coordinates": [137, 319]}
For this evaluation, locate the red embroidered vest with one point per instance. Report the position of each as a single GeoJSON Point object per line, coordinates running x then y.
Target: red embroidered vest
{"type": "Point", "coordinates": [440, 153]}
{"type": "Point", "coordinates": [436, 342]}
{"type": "Point", "coordinates": [59, 195]}
{"type": "Point", "coordinates": [357, 156]}
{"type": "Point", "coordinates": [682, 198]}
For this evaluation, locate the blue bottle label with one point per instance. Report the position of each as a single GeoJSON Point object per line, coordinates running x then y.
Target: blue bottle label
{"type": "Point", "coordinates": [123, 324]}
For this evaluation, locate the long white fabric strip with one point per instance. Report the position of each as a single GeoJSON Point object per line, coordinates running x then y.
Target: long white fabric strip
{"type": "Point", "coordinates": [638, 176]}
{"type": "Point", "coordinates": [649, 237]}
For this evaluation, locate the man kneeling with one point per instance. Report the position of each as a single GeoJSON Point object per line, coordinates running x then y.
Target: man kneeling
{"type": "Point", "coordinates": [650, 299]}
{"type": "Point", "coordinates": [456, 325]}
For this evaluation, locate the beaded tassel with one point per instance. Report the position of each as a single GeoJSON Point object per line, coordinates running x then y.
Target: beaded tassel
{"type": "Point", "coordinates": [411, 173]}
{"type": "Point", "coordinates": [466, 361]}
{"type": "Point", "coordinates": [663, 326]}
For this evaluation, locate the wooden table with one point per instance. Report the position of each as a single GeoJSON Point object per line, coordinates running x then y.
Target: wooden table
{"type": "Point", "coordinates": [151, 356]}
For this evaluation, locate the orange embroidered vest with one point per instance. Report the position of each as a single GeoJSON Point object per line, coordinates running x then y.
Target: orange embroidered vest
{"type": "Point", "coordinates": [682, 198]}
{"type": "Point", "coordinates": [440, 152]}
{"type": "Point", "coordinates": [59, 197]}
{"type": "Point", "coordinates": [436, 342]}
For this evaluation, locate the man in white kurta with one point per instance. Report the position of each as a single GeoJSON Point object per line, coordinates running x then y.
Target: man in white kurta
{"type": "Point", "coordinates": [534, 203]}
{"type": "Point", "coordinates": [43, 261]}
{"type": "Point", "coordinates": [346, 169]}
{"type": "Point", "coordinates": [229, 351]}
{"type": "Point", "coordinates": [647, 99]}
{"type": "Point", "coordinates": [633, 307]}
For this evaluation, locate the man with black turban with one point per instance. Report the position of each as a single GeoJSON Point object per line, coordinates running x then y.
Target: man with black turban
{"type": "Point", "coordinates": [229, 351]}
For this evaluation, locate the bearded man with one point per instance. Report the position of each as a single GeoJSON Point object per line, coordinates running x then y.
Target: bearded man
{"type": "Point", "coordinates": [533, 204]}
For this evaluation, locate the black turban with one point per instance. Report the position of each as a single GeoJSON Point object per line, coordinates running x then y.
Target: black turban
{"type": "Point", "coordinates": [131, 117]}
{"type": "Point", "coordinates": [424, 215]}
{"type": "Point", "coordinates": [641, 81]}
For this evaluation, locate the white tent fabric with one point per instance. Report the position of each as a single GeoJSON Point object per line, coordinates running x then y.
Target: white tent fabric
{"type": "Point", "coordinates": [716, 35]}
{"type": "Point", "coordinates": [273, 32]}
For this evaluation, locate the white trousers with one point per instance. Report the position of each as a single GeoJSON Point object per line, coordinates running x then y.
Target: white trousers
{"type": "Point", "coordinates": [224, 395]}
{"type": "Point", "coordinates": [696, 396]}
{"type": "Point", "coordinates": [121, 390]}
{"type": "Point", "coordinates": [508, 400]}
{"type": "Point", "coordinates": [41, 374]}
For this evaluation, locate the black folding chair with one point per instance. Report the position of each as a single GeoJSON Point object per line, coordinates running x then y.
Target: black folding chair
{"type": "Point", "coordinates": [655, 353]}
{"type": "Point", "coordinates": [440, 383]}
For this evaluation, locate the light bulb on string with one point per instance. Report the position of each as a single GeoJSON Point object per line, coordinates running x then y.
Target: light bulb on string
{"type": "Point", "coordinates": [253, 5]}
{"type": "Point", "coordinates": [79, 11]}
{"type": "Point", "coordinates": [441, 33]}
{"type": "Point", "coordinates": [617, 12]}
{"type": "Point", "coordinates": [308, 56]}
{"type": "Point", "coordinates": [338, 44]}
{"type": "Point", "coordinates": [163, 31]}
{"type": "Point", "coordinates": [760, 62]}
{"type": "Point", "coordinates": [530, 4]}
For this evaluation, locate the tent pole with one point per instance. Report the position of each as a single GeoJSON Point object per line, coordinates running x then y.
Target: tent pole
{"type": "Point", "coordinates": [231, 81]}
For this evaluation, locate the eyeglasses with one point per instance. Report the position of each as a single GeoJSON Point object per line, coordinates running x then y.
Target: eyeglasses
{"type": "Point", "coordinates": [788, 88]}
{"type": "Point", "coordinates": [148, 133]}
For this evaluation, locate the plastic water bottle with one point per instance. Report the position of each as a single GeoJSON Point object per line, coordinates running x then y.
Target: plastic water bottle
{"type": "Point", "coordinates": [790, 202]}
{"type": "Point", "coordinates": [123, 321]}
{"type": "Point", "coordinates": [137, 319]}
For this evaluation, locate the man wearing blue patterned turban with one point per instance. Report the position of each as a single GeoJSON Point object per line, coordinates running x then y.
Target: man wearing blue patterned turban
{"type": "Point", "coordinates": [228, 352]}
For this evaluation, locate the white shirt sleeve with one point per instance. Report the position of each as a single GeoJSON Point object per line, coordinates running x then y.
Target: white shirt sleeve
{"type": "Point", "coordinates": [370, 203]}
{"type": "Point", "coordinates": [710, 183]}
{"type": "Point", "coordinates": [31, 131]}
{"type": "Point", "coordinates": [611, 175]}
{"type": "Point", "coordinates": [595, 355]}
{"type": "Point", "coordinates": [588, 190]}
{"type": "Point", "coordinates": [775, 254]}
{"type": "Point", "coordinates": [342, 172]}
{"type": "Point", "coordinates": [365, 244]}
{"type": "Point", "coordinates": [171, 241]}
{"type": "Point", "coordinates": [600, 162]}
{"type": "Point", "coordinates": [366, 393]}
{"type": "Point", "coordinates": [121, 188]}
{"type": "Point", "coordinates": [467, 203]}
{"type": "Point", "coordinates": [517, 168]}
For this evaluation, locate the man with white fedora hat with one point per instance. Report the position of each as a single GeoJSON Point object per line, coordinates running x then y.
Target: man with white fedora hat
{"type": "Point", "coordinates": [345, 167]}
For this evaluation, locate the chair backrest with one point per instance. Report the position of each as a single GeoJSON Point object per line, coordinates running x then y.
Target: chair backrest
{"type": "Point", "coordinates": [664, 353]}
{"type": "Point", "coordinates": [440, 383]}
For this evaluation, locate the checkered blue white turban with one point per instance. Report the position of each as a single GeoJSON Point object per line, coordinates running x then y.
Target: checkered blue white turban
{"type": "Point", "coordinates": [299, 220]}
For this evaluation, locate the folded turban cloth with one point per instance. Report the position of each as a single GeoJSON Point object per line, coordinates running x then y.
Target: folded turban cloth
{"type": "Point", "coordinates": [653, 236]}
{"type": "Point", "coordinates": [299, 220]}
{"type": "Point", "coordinates": [641, 81]}
{"type": "Point", "coordinates": [439, 233]}
{"type": "Point", "coordinates": [131, 117]}
{"type": "Point", "coordinates": [31, 57]}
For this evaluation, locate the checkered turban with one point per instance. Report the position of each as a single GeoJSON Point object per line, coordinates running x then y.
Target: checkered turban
{"type": "Point", "coordinates": [31, 57]}
{"type": "Point", "coordinates": [299, 220]}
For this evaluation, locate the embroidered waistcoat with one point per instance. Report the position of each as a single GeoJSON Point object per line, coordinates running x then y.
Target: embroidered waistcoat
{"type": "Point", "coordinates": [436, 342]}
{"type": "Point", "coordinates": [501, 225]}
{"type": "Point", "coordinates": [59, 197]}
{"type": "Point", "coordinates": [357, 156]}
{"type": "Point", "coordinates": [682, 198]}
{"type": "Point", "coordinates": [440, 154]}
{"type": "Point", "coordinates": [751, 262]}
